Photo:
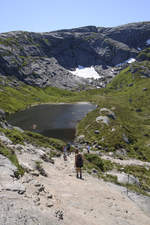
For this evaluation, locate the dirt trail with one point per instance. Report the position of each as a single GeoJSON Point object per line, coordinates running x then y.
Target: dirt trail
{"type": "Point", "coordinates": [90, 201]}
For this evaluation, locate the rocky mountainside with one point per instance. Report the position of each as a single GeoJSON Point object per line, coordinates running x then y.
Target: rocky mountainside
{"type": "Point", "coordinates": [46, 59]}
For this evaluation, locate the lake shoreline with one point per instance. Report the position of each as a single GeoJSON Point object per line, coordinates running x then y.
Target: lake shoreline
{"type": "Point", "coordinates": [58, 120]}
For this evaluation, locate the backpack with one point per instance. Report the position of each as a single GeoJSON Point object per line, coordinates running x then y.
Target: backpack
{"type": "Point", "coordinates": [68, 146]}
{"type": "Point", "coordinates": [79, 160]}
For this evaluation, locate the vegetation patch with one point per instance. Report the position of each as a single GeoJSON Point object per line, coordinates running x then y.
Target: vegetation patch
{"type": "Point", "coordinates": [10, 154]}
{"type": "Point", "coordinates": [40, 140]}
{"type": "Point", "coordinates": [94, 161]}
{"type": "Point", "coordinates": [14, 135]}
{"type": "Point", "coordinates": [40, 168]}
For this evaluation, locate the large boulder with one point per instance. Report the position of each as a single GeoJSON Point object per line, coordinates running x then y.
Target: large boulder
{"type": "Point", "coordinates": [103, 119]}
{"type": "Point", "coordinates": [108, 113]}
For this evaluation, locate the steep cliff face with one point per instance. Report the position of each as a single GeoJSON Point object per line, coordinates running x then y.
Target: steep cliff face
{"type": "Point", "coordinates": [46, 58]}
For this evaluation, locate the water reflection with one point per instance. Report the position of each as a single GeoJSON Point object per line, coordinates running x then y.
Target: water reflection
{"type": "Point", "coordinates": [52, 120]}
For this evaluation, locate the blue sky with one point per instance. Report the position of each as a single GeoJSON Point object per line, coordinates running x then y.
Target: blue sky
{"type": "Point", "coordinates": [49, 15]}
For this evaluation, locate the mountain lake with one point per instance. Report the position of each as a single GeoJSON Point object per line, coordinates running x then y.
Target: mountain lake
{"type": "Point", "coordinates": [52, 120]}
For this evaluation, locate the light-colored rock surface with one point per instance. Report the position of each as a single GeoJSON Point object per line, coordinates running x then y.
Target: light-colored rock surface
{"type": "Point", "coordinates": [108, 113]}
{"type": "Point", "coordinates": [7, 177]}
{"type": "Point", "coordinates": [103, 119]}
{"type": "Point", "coordinates": [62, 199]}
{"type": "Point", "coordinates": [126, 162]}
{"type": "Point", "coordinates": [125, 178]}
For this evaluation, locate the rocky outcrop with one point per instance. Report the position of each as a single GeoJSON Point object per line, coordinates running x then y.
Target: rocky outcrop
{"type": "Point", "coordinates": [45, 59]}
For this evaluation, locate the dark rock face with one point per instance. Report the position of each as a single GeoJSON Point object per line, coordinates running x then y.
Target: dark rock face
{"type": "Point", "coordinates": [46, 58]}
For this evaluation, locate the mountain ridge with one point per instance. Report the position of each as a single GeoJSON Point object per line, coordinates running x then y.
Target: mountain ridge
{"type": "Point", "coordinates": [45, 59]}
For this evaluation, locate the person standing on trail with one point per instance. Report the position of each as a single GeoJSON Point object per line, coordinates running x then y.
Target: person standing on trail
{"type": "Point", "coordinates": [78, 163]}
{"type": "Point", "coordinates": [88, 149]}
{"type": "Point", "coordinates": [68, 146]}
{"type": "Point", "coordinates": [65, 153]}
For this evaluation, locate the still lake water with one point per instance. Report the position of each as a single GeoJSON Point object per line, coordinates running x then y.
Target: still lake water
{"type": "Point", "coordinates": [52, 120]}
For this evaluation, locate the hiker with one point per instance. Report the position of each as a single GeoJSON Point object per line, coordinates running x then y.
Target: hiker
{"type": "Point", "coordinates": [78, 163]}
{"type": "Point", "coordinates": [88, 149]}
{"type": "Point", "coordinates": [68, 146]}
{"type": "Point", "coordinates": [65, 153]}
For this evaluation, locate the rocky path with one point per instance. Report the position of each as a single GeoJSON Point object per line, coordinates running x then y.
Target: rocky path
{"type": "Point", "coordinates": [89, 201]}
{"type": "Point", "coordinates": [62, 199]}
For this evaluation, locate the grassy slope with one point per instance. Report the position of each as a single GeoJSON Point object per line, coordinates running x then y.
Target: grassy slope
{"type": "Point", "coordinates": [15, 99]}
{"type": "Point", "coordinates": [126, 97]}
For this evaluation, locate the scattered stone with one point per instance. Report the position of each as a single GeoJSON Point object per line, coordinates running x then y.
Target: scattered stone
{"type": "Point", "coordinates": [43, 172]}
{"type": "Point", "coordinates": [42, 188]}
{"type": "Point", "coordinates": [51, 161]}
{"type": "Point", "coordinates": [37, 185]}
{"type": "Point", "coordinates": [96, 131]}
{"type": "Point", "coordinates": [49, 205]}
{"type": "Point", "coordinates": [26, 178]}
{"type": "Point", "coordinates": [103, 119]}
{"type": "Point", "coordinates": [138, 110]}
{"type": "Point", "coordinates": [21, 192]}
{"type": "Point", "coordinates": [110, 153]}
{"type": "Point", "coordinates": [94, 170]}
{"type": "Point", "coordinates": [125, 138]}
{"type": "Point", "coordinates": [121, 152]}
{"type": "Point", "coordinates": [5, 140]}
{"type": "Point", "coordinates": [108, 113]}
{"type": "Point", "coordinates": [37, 199]}
{"type": "Point", "coordinates": [81, 137]}
{"type": "Point", "coordinates": [50, 196]}
{"type": "Point", "coordinates": [113, 129]}
{"type": "Point", "coordinates": [15, 186]}
{"type": "Point", "coordinates": [130, 85]}
{"type": "Point", "coordinates": [59, 214]}
{"type": "Point", "coordinates": [35, 173]}
{"type": "Point", "coordinates": [37, 203]}
{"type": "Point", "coordinates": [144, 89]}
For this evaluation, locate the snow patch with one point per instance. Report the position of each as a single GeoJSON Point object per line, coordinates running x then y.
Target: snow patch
{"type": "Point", "coordinates": [85, 72]}
{"type": "Point", "coordinates": [148, 42]}
{"type": "Point", "coordinates": [131, 60]}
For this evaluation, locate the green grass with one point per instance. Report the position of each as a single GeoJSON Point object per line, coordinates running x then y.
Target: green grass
{"type": "Point", "coordinates": [10, 154]}
{"type": "Point", "coordinates": [34, 138]}
{"type": "Point", "coordinates": [142, 173]}
{"type": "Point", "coordinates": [14, 135]}
{"type": "Point", "coordinates": [25, 96]}
{"type": "Point", "coordinates": [131, 107]}
{"type": "Point", "coordinates": [42, 141]}
{"type": "Point", "coordinates": [94, 161]}
{"type": "Point", "coordinates": [144, 55]}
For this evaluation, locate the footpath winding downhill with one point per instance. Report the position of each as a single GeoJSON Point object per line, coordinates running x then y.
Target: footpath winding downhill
{"type": "Point", "coordinates": [62, 199]}
{"type": "Point", "coordinates": [90, 201]}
